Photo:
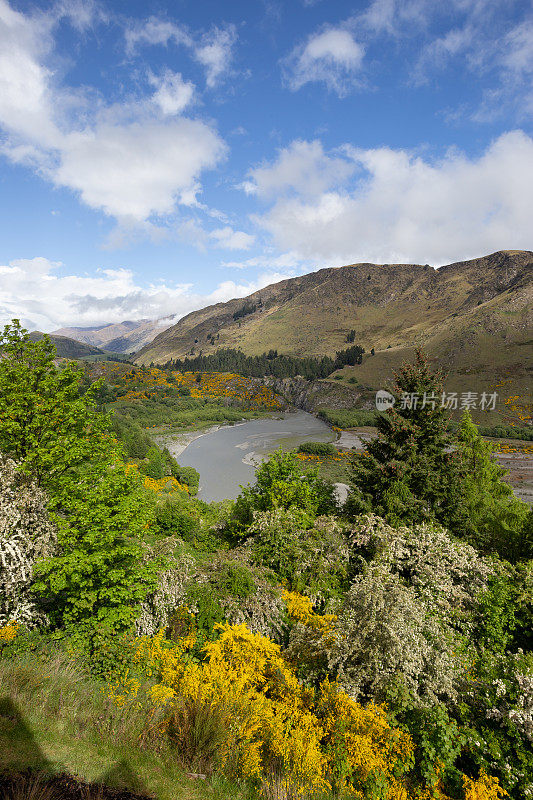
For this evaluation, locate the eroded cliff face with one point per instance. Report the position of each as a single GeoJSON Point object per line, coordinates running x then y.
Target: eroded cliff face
{"type": "Point", "coordinates": [313, 395]}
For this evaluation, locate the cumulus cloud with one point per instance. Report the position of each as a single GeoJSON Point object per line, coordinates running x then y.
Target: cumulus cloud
{"type": "Point", "coordinates": [302, 167]}
{"type": "Point", "coordinates": [232, 240]}
{"type": "Point", "coordinates": [35, 291]}
{"type": "Point", "coordinates": [131, 161]}
{"type": "Point", "coordinates": [138, 169]}
{"type": "Point", "coordinates": [402, 207]}
{"type": "Point", "coordinates": [173, 94]}
{"type": "Point", "coordinates": [331, 56]}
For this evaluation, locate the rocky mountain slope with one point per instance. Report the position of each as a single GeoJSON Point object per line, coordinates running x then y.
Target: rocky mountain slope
{"type": "Point", "coordinates": [389, 305]}
{"type": "Point", "coordinates": [121, 337]}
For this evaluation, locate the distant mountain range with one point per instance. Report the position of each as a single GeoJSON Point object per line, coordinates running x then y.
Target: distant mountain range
{"type": "Point", "coordinates": [120, 337]}
{"type": "Point", "coordinates": [472, 317]}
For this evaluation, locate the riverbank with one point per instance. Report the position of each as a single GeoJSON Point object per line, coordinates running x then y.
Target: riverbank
{"type": "Point", "coordinates": [227, 456]}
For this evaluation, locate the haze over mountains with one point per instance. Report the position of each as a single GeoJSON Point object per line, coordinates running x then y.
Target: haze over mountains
{"type": "Point", "coordinates": [121, 337]}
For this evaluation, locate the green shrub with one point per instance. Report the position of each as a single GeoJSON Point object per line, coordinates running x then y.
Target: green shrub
{"type": "Point", "coordinates": [175, 517]}
{"type": "Point", "coordinates": [318, 448]}
{"type": "Point", "coordinates": [236, 580]}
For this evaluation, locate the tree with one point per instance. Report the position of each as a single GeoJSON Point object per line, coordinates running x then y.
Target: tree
{"type": "Point", "coordinates": [496, 517]}
{"type": "Point", "coordinates": [281, 484]}
{"type": "Point", "coordinates": [409, 473]}
{"type": "Point", "coordinates": [99, 577]}
{"type": "Point", "coordinates": [44, 423]}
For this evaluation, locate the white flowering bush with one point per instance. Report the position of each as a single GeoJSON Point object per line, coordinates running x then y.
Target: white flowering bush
{"type": "Point", "coordinates": [385, 633]}
{"type": "Point", "coordinates": [26, 536]}
{"type": "Point", "coordinates": [169, 593]}
{"type": "Point", "coordinates": [448, 575]}
{"type": "Point", "coordinates": [241, 592]}
{"type": "Point", "coordinates": [407, 617]}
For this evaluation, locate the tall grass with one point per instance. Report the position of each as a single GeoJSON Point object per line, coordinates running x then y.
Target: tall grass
{"type": "Point", "coordinates": [55, 718]}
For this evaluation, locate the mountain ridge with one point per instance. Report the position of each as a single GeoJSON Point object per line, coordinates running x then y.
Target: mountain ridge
{"type": "Point", "coordinates": [394, 305]}
{"type": "Point", "coordinates": [127, 336]}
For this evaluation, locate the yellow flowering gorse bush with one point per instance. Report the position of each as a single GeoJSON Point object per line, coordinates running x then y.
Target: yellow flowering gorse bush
{"type": "Point", "coordinates": [316, 740]}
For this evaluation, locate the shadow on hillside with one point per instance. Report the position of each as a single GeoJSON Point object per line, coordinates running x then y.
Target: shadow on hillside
{"type": "Point", "coordinates": [26, 772]}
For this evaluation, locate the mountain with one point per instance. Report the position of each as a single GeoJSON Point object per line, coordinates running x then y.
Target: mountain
{"type": "Point", "coordinates": [120, 337]}
{"type": "Point", "coordinates": [68, 348]}
{"type": "Point", "coordinates": [474, 318]}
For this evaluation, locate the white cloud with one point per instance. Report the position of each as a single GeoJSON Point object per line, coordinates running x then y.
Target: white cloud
{"type": "Point", "coordinates": [213, 50]}
{"type": "Point", "coordinates": [215, 53]}
{"type": "Point", "coordinates": [288, 262]}
{"type": "Point", "coordinates": [332, 57]}
{"type": "Point", "coordinates": [26, 101]}
{"type": "Point", "coordinates": [33, 291]}
{"type": "Point", "coordinates": [401, 207]}
{"type": "Point", "coordinates": [131, 161]}
{"type": "Point", "coordinates": [173, 94]}
{"type": "Point", "coordinates": [156, 32]}
{"type": "Point", "coordinates": [302, 167]}
{"type": "Point", "coordinates": [232, 240]}
{"type": "Point", "coordinates": [136, 170]}
{"type": "Point", "coordinates": [517, 55]}
{"type": "Point", "coordinates": [498, 54]}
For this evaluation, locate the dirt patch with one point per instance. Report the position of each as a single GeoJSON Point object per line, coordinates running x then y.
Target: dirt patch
{"type": "Point", "coordinates": [28, 784]}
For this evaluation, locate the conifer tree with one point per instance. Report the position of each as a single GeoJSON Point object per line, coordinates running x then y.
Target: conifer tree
{"type": "Point", "coordinates": [409, 473]}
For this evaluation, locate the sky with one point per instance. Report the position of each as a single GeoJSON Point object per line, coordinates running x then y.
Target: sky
{"type": "Point", "coordinates": [156, 158]}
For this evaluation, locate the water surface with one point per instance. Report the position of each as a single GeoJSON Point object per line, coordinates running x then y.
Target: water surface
{"type": "Point", "coordinates": [228, 457]}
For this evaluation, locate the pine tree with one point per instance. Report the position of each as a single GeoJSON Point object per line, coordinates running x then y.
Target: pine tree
{"type": "Point", "coordinates": [409, 473]}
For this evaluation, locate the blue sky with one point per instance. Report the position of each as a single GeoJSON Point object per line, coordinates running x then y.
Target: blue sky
{"type": "Point", "coordinates": [154, 159]}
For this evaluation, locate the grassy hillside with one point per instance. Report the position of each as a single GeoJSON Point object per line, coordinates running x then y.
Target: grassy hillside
{"type": "Point", "coordinates": [69, 348]}
{"type": "Point", "coordinates": [470, 313]}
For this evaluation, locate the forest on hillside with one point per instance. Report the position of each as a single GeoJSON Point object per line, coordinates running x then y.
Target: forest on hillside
{"type": "Point", "coordinates": [278, 646]}
{"type": "Point", "coordinates": [271, 363]}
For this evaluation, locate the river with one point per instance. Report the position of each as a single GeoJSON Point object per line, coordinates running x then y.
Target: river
{"type": "Point", "coordinates": [227, 457]}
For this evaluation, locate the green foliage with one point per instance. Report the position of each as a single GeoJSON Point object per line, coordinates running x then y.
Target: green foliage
{"type": "Point", "coordinates": [318, 448]}
{"type": "Point", "coordinates": [408, 474]}
{"type": "Point", "coordinates": [495, 516]}
{"type": "Point", "coordinates": [436, 735]}
{"type": "Point", "coordinates": [208, 612]}
{"type": "Point", "coordinates": [313, 560]}
{"type": "Point", "coordinates": [281, 484]}
{"type": "Point", "coordinates": [496, 615]}
{"type": "Point", "coordinates": [155, 465]}
{"type": "Point", "coordinates": [525, 433]}
{"type": "Point", "coordinates": [99, 578]}
{"type": "Point", "coordinates": [135, 440]}
{"type": "Point", "coordinates": [271, 363]}
{"type": "Point", "coordinates": [495, 714]}
{"type": "Point", "coordinates": [236, 580]}
{"type": "Point", "coordinates": [175, 517]}
{"type": "Point", "coordinates": [44, 424]}
{"type": "Point", "coordinates": [188, 475]}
